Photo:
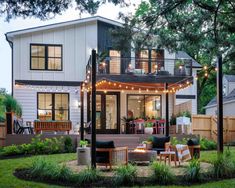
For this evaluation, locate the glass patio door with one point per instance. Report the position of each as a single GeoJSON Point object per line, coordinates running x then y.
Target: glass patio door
{"type": "Point", "coordinates": [107, 113]}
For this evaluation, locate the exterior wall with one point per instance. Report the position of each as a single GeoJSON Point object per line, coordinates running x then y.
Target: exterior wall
{"type": "Point", "coordinates": [27, 97]}
{"type": "Point", "coordinates": [192, 90]}
{"type": "Point", "coordinates": [169, 62]}
{"type": "Point", "coordinates": [228, 109]}
{"type": "Point", "coordinates": [77, 42]}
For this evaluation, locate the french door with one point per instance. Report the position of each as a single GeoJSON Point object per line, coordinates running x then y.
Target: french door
{"type": "Point", "coordinates": [108, 113]}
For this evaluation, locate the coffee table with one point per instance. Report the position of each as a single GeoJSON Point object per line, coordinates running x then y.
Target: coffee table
{"type": "Point", "coordinates": [141, 155]}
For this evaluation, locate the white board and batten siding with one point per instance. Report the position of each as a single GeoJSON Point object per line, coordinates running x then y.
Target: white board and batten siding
{"type": "Point", "coordinates": [77, 42]}
{"type": "Point", "coordinates": [27, 97]}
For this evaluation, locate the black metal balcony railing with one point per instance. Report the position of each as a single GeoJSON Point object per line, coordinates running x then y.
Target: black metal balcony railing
{"type": "Point", "coordinates": [143, 66]}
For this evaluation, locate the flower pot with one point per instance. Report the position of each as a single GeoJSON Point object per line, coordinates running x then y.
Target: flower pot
{"type": "Point", "coordinates": [149, 146]}
{"type": "Point", "coordinates": [148, 130]}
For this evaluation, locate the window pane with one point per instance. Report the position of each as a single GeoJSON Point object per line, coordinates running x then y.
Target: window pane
{"type": "Point", "coordinates": [98, 111]}
{"type": "Point", "coordinates": [41, 63]}
{"type": "Point", "coordinates": [51, 51]}
{"type": "Point", "coordinates": [41, 101]}
{"type": "Point", "coordinates": [45, 106]}
{"type": "Point", "coordinates": [64, 101]}
{"type": "Point", "coordinates": [59, 115]}
{"type": "Point", "coordinates": [34, 63]}
{"type": "Point", "coordinates": [51, 63]}
{"type": "Point", "coordinates": [41, 51]}
{"type": "Point", "coordinates": [135, 106]}
{"type": "Point", "coordinates": [58, 51]}
{"type": "Point", "coordinates": [34, 51]}
{"type": "Point", "coordinates": [57, 64]}
{"type": "Point", "coordinates": [115, 62]}
{"type": "Point", "coordinates": [111, 112]}
{"type": "Point", "coordinates": [48, 101]}
{"type": "Point", "coordinates": [152, 106]}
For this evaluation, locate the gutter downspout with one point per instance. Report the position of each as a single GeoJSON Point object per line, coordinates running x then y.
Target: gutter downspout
{"type": "Point", "coordinates": [11, 45]}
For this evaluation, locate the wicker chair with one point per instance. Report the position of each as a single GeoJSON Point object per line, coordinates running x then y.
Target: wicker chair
{"type": "Point", "coordinates": [111, 156]}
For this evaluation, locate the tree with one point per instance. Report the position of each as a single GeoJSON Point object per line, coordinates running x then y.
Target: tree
{"type": "Point", "coordinates": [201, 28]}
{"type": "Point", "coordinates": [47, 9]}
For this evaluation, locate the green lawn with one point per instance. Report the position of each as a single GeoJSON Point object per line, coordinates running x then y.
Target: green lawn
{"type": "Point", "coordinates": [7, 167]}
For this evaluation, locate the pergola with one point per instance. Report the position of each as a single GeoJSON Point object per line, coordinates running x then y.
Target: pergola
{"type": "Point", "coordinates": [161, 85]}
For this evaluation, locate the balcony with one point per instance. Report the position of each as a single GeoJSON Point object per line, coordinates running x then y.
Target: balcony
{"type": "Point", "coordinates": [143, 66]}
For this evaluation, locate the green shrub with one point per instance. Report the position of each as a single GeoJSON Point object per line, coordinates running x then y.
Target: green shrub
{"type": "Point", "coordinates": [12, 105]}
{"type": "Point", "coordinates": [193, 171]}
{"type": "Point", "coordinates": [68, 144]}
{"type": "Point", "coordinates": [175, 141]}
{"type": "Point", "coordinates": [88, 176]}
{"type": "Point", "coordinates": [207, 144]}
{"type": "Point", "coordinates": [40, 146]}
{"type": "Point", "coordinates": [44, 169]}
{"type": "Point", "coordinates": [11, 150]}
{"type": "Point", "coordinates": [125, 175]}
{"type": "Point", "coordinates": [162, 173]}
{"type": "Point", "coordinates": [223, 166]}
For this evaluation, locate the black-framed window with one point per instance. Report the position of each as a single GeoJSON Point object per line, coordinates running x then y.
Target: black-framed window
{"type": "Point", "coordinates": [150, 60]}
{"type": "Point", "coordinates": [46, 57]}
{"type": "Point", "coordinates": [143, 105]}
{"type": "Point", "coordinates": [53, 106]}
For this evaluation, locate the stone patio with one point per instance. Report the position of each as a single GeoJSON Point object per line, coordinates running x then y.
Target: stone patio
{"type": "Point", "coordinates": [142, 170]}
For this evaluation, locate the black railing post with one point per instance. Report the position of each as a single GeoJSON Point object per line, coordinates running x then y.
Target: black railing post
{"type": "Point", "coordinates": [93, 110]}
{"type": "Point", "coordinates": [219, 105]}
{"type": "Point", "coordinates": [167, 110]}
{"type": "Point", "coordinates": [82, 114]}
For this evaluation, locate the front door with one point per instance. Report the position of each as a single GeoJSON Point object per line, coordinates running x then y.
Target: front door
{"type": "Point", "coordinates": [108, 113]}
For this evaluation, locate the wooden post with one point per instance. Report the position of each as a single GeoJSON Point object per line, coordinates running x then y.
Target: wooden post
{"type": "Point", "coordinates": [82, 114]}
{"type": "Point", "coordinates": [167, 110]}
{"type": "Point", "coordinates": [93, 110]}
{"type": "Point", "coordinates": [219, 105]}
{"type": "Point", "coordinates": [9, 122]}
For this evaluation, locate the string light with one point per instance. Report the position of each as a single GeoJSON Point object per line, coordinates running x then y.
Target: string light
{"type": "Point", "coordinates": [205, 67]}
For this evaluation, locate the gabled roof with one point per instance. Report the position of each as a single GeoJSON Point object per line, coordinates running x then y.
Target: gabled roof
{"type": "Point", "coordinates": [230, 78]}
{"type": "Point", "coordinates": [63, 24]}
{"type": "Point", "coordinates": [229, 97]}
{"type": "Point", "coordinates": [184, 55]}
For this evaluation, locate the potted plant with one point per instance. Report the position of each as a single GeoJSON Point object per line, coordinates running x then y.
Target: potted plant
{"type": "Point", "coordinates": [12, 107]}
{"type": "Point", "coordinates": [179, 68]}
{"type": "Point", "coordinates": [83, 143]}
{"type": "Point", "coordinates": [148, 128]}
{"type": "Point", "coordinates": [148, 143]}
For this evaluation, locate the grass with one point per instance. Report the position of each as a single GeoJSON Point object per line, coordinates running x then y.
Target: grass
{"type": "Point", "coordinates": [8, 166]}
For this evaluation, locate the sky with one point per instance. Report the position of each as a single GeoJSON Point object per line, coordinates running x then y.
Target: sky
{"type": "Point", "coordinates": [108, 10]}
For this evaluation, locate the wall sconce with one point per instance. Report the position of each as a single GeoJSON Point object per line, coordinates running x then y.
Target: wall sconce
{"type": "Point", "coordinates": [79, 104]}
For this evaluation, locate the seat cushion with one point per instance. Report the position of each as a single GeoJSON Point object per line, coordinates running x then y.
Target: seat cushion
{"type": "Point", "coordinates": [159, 142]}
{"type": "Point", "coordinates": [105, 144]}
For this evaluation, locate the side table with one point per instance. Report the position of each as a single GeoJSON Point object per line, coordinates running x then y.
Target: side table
{"type": "Point", "coordinates": [83, 155]}
{"type": "Point", "coordinates": [166, 155]}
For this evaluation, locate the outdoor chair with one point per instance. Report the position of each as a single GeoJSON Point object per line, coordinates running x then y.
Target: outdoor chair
{"type": "Point", "coordinates": [20, 128]}
{"type": "Point", "coordinates": [139, 126]}
{"type": "Point", "coordinates": [108, 155]}
{"type": "Point", "coordinates": [161, 126]}
{"type": "Point", "coordinates": [159, 143]}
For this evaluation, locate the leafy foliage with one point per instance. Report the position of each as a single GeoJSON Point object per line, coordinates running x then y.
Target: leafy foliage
{"type": "Point", "coordinates": [193, 171]}
{"type": "Point", "coordinates": [44, 169]}
{"type": "Point", "coordinates": [40, 146]}
{"type": "Point", "coordinates": [223, 166]}
{"type": "Point", "coordinates": [48, 9]}
{"type": "Point", "coordinates": [88, 176]}
{"type": "Point", "coordinates": [125, 175]}
{"type": "Point", "coordinates": [162, 173]}
{"type": "Point", "coordinates": [11, 105]}
{"type": "Point", "coordinates": [207, 144]}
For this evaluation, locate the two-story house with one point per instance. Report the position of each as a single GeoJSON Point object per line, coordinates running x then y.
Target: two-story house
{"type": "Point", "coordinates": [49, 65]}
{"type": "Point", "coordinates": [228, 98]}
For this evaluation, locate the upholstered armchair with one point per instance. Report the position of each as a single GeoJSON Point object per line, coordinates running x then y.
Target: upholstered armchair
{"type": "Point", "coordinates": [108, 155]}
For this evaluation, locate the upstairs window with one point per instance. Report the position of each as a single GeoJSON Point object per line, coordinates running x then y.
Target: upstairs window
{"type": "Point", "coordinates": [46, 57]}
